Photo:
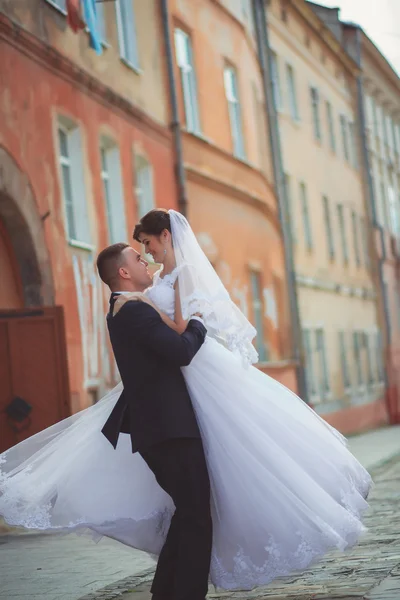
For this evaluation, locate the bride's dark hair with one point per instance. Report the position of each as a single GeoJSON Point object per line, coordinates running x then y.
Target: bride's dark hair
{"type": "Point", "coordinates": [153, 223]}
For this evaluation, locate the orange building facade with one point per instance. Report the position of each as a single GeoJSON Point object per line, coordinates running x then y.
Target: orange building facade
{"type": "Point", "coordinates": [86, 148]}
{"type": "Point", "coordinates": [84, 151]}
{"type": "Point", "coordinates": [229, 191]}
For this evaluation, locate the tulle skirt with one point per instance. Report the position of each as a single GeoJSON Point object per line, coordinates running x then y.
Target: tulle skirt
{"type": "Point", "coordinates": [285, 489]}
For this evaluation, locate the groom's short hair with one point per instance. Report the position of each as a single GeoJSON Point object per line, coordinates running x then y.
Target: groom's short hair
{"type": "Point", "coordinates": [109, 261]}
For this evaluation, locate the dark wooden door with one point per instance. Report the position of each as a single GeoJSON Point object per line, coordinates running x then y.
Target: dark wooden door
{"type": "Point", "coordinates": [33, 369]}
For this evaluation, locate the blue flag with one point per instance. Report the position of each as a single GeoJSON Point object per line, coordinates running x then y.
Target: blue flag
{"type": "Point", "coordinates": [89, 11]}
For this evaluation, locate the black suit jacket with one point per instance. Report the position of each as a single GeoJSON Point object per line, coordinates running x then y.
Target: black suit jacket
{"type": "Point", "coordinates": [155, 404]}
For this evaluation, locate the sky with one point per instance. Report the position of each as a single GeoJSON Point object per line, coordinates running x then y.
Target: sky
{"type": "Point", "coordinates": [380, 20]}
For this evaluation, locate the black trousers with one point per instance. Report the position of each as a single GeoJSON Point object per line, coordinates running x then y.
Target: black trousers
{"type": "Point", "coordinates": [183, 567]}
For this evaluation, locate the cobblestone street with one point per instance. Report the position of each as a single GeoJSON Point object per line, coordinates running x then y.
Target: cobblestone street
{"type": "Point", "coordinates": [40, 567]}
{"type": "Point", "coordinates": [371, 571]}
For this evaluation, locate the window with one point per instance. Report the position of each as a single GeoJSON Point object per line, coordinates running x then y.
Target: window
{"type": "Point", "coordinates": [248, 16]}
{"type": "Point", "coordinates": [364, 236]}
{"type": "Point", "coordinates": [324, 385]}
{"type": "Point", "coordinates": [73, 182]}
{"type": "Point", "coordinates": [395, 135]}
{"type": "Point", "coordinates": [394, 210]}
{"type": "Point", "coordinates": [291, 82]}
{"type": "Point", "coordinates": [384, 205]}
{"type": "Point", "coordinates": [379, 357]}
{"type": "Point", "coordinates": [328, 227]}
{"type": "Point", "coordinates": [61, 4]}
{"type": "Point", "coordinates": [368, 360]}
{"type": "Point", "coordinates": [113, 191]}
{"type": "Point", "coordinates": [355, 238]}
{"type": "Point", "coordinates": [258, 314]}
{"type": "Point", "coordinates": [343, 237]}
{"type": "Point", "coordinates": [331, 126]}
{"type": "Point", "coordinates": [289, 206]}
{"type": "Point", "coordinates": [357, 357]}
{"type": "Point", "coordinates": [344, 360]}
{"type": "Point", "coordinates": [306, 216]}
{"type": "Point", "coordinates": [315, 113]}
{"type": "Point", "coordinates": [184, 57]}
{"type": "Point", "coordinates": [345, 141]}
{"type": "Point", "coordinates": [276, 83]}
{"type": "Point", "coordinates": [309, 356]}
{"type": "Point", "coordinates": [127, 32]}
{"type": "Point", "coordinates": [232, 95]}
{"type": "Point", "coordinates": [353, 145]}
{"type": "Point", "coordinates": [144, 185]}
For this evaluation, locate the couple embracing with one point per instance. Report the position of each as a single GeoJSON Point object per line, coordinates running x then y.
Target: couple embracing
{"type": "Point", "coordinates": [225, 474]}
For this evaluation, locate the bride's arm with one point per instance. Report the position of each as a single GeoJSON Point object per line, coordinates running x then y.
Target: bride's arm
{"type": "Point", "coordinates": [180, 322]}
{"type": "Point", "coordinates": [139, 297]}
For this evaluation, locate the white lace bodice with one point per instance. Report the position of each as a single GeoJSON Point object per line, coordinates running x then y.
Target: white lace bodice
{"type": "Point", "coordinates": [162, 292]}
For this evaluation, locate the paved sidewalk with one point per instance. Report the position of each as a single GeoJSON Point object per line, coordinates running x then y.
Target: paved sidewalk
{"type": "Point", "coordinates": [52, 567]}
{"type": "Point", "coordinates": [67, 568]}
{"type": "Point", "coordinates": [371, 571]}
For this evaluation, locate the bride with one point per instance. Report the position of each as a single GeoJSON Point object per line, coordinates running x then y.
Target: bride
{"type": "Point", "coordinates": [285, 488]}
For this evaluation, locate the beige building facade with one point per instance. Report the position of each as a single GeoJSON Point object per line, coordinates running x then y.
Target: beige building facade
{"type": "Point", "coordinates": [314, 83]}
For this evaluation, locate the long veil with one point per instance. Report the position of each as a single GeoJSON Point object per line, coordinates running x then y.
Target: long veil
{"type": "Point", "coordinates": [201, 290]}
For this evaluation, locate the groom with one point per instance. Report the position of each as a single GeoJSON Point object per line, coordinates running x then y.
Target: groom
{"type": "Point", "coordinates": [156, 410]}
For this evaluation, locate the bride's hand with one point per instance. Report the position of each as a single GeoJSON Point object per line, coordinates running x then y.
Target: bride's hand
{"type": "Point", "coordinates": [132, 296]}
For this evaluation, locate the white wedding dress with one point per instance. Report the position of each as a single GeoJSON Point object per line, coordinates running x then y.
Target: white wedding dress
{"type": "Point", "coordinates": [285, 489]}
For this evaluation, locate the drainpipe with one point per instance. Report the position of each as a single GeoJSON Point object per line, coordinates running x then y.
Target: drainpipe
{"type": "Point", "coordinates": [175, 123]}
{"type": "Point", "coordinates": [373, 214]}
{"type": "Point", "coordinates": [265, 61]}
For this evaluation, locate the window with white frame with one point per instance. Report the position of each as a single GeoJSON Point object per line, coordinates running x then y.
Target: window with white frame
{"type": "Point", "coordinates": [72, 162]}
{"type": "Point", "coordinates": [144, 185]}
{"type": "Point", "coordinates": [291, 83]}
{"type": "Point", "coordinates": [258, 314]}
{"type": "Point", "coordinates": [314, 93]}
{"type": "Point", "coordinates": [344, 360]}
{"type": "Point", "coordinates": [184, 58]}
{"type": "Point", "coordinates": [394, 209]}
{"type": "Point", "coordinates": [248, 15]}
{"type": "Point", "coordinates": [365, 244]}
{"type": "Point", "coordinates": [290, 206]}
{"type": "Point", "coordinates": [345, 139]}
{"type": "Point", "coordinates": [111, 176]}
{"type": "Point", "coordinates": [323, 372]}
{"type": "Point", "coordinates": [328, 226]}
{"type": "Point", "coordinates": [60, 4]}
{"type": "Point", "coordinates": [356, 244]}
{"type": "Point", "coordinates": [331, 126]}
{"type": "Point", "coordinates": [127, 37]}
{"type": "Point", "coordinates": [343, 236]}
{"type": "Point", "coordinates": [276, 81]}
{"type": "Point", "coordinates": [379, 356]}
{"type": "Point", "coordinates": [353, 145]}
{"type": "Point", "coordinates": [357, 357]}
{"type": "Point", "coordinates": [306, 216]}
{"type": "Point", "coordinates": [232, 96]}
{"type": "Point", "coordinates": [367, 358]}
{"type": "Point", "coordinates": [309, 356]}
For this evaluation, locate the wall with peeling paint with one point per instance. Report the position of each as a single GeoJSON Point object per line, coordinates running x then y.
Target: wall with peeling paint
{"type": "Point", "coordinates": [34, 92]}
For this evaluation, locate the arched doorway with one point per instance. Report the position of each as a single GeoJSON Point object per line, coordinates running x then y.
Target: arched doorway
{"type": "Point", "coordinates": [11, 292]}
{"type": "Point", "coordinates": [20, 218]}
{"type": "Point", "coordinates": [34, 390]}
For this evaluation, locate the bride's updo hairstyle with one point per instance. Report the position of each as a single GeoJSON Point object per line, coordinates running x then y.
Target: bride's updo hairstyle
{"type": "Point", "coordinates": [153, 223]}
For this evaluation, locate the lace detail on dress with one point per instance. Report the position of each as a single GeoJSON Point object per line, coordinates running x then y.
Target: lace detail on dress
{"type": "Point", "coordinates": [245, 573]}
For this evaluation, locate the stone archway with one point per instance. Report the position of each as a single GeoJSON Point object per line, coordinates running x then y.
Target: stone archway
{"type": "Point", "coordinates": [19, 214]}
